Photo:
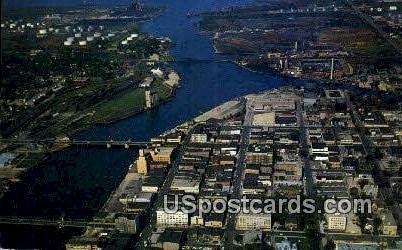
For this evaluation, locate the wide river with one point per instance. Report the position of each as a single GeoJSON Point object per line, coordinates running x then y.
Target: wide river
{"type": "Point", "coordinates": [77, 181]}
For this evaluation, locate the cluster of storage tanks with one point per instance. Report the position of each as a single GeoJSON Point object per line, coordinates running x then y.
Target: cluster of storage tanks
{"type": "Point", "coordinates": [78, 36]}
{"type": "Point", "coordinates": [20, 26]}
{"type": "Point", "coordinates": [83, 42]}
{"type": "Point", "coordinates": [128, 39]}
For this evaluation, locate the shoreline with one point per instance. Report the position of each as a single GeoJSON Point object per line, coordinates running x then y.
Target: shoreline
{"type": "Point", "coordinates": [59, 147]}
{"type": "Point", "coordinates": [338, 84]}
{"type": "Point", "coordinates": [137, 112]}
{"type": "Point", "coordinates": [72, 129]}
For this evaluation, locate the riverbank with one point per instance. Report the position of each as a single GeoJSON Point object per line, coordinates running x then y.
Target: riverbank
{"type": "Point", "coordinates": [131, 207]}
{"type": "Point", "coordinates": [287, 39]}
{"type": "Point", "coordinates": [104, 86]}
{"type": "Point", "coordinates": [115, 211]}
{"type": "Point", "coordinates": [75, 179]}
{"type": "Point", "coordinates": [29, 160]}
{"type": "Point", "coordinates": [262, 65]}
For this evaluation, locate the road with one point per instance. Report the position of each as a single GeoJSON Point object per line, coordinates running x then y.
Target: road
{"type": "Point", "coordinates": [146, 232]}
{"type": "Point", "coordinates": [309, 183]}
{"type": "Point", "coordinates": [362, 237]}
{"type": "Point", "coordinates": [113, 205]}
{"type": "Point", "coordinates": [288, 234]}
{"type": "Point", "coordinates": [366, 142]}
{"type": "Point", "coordinates": [370, 22]}
{"type": "Point", "coordinates": [239, 175]}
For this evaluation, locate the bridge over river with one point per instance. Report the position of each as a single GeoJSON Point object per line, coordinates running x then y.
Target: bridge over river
{"type": "Point", "coordinates": [17, 220]}
{"type": "Point", "coordinates": [105, 143]}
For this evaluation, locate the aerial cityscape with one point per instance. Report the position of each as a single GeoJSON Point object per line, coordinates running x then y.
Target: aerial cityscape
{"type": "Point", "coordinates": [201, 124]}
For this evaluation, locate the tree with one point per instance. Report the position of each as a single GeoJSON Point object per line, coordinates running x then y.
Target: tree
{"type": "Point", "coordinates": [377, 223]}
{"type": "Point", "coordinates": [363, 183]}
{"type": "Point", "coordinates": [330, 245]}
{"type": "Point", "coordinates": [354, 192]}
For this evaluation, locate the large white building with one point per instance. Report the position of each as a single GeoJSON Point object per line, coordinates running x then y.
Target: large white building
{"type": "Point", "coordinates": [336, 222]}
{"type": "Point", "coordinates": [186, 183]}
{"type": "Point", "coordinates": [177, 219]}
{"type": "Point", "coordinates": [199, 138]}
{"type": "Point", "coordinates": [151, 99]}
{"type": "Point", "coordinates": [253, 221]}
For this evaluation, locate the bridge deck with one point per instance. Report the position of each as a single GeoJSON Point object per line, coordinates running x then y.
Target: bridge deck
{"type": "Point", "coordinates": [50, 222]}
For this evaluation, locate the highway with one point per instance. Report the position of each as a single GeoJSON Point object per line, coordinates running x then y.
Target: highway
{"type": "Point", "coordinates": [238, 175]}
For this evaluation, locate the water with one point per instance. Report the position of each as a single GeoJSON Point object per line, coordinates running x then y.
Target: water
{"type": "Point", "coordinates": [204, 85]}
{"type": "Point", "coordinates": [76, 181]}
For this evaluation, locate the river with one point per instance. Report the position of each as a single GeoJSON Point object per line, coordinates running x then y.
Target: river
{"type": "Point", "coordinates": [76, 181]}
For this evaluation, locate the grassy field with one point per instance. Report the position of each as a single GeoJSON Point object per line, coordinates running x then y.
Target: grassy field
{"type": "Point", "coordinates": [130, 102]}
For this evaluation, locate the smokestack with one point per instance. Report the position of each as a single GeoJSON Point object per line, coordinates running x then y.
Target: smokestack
{"type": "Point", "coordinates": [332, 69]}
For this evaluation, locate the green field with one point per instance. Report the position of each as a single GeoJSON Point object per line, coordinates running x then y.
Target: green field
{"type": "Point", "coordinates": [130, 102]}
